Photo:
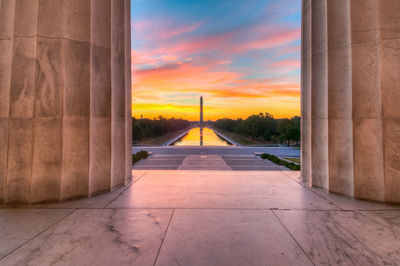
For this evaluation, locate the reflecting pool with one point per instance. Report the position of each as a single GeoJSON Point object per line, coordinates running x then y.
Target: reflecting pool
{"type": "Point", "coordinates": [201, 136]}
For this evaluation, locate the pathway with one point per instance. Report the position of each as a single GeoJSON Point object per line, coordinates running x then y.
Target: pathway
{"type": "Point", "coordinates": [206, 162]}
{"type": "Point", "coordinates": [204, 218]}
{"type": "Point", "coordinates": [228, 150]}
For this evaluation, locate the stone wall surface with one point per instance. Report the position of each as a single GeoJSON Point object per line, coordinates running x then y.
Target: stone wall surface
{"type": "Point", "coordinates": [354, 95]}
{"type": "Point", "coordinates": [64, 98]}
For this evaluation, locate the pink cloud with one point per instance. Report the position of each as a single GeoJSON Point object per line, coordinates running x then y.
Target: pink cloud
{"type": "Point", "coordinates": [179, 31]}
{"type": "Point", "coordinates": [197, 44]}
{"type": "Point", "coordinates": [277, 39]}
{"type": "Point", "coordinates": [228, 42]}
{"type": "Point", "coordinates": [287, 63]}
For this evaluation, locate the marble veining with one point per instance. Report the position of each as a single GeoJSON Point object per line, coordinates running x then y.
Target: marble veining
{"type": "Point", "coordinates": [97, 237]}
{"type": "Point", "coordinates": [228, 237]}
{"type": "Point", "coordinates": [392, 216]}
{"type": "Point", "coordinates": [18, 226]}
{"type": "Point", "coordinates": [344, 237]}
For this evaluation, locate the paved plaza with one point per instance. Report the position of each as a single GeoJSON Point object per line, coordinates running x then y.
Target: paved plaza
{"type": "Point", "coordinates": [207, 162]}
{"type": "Point", "coordinates": [226, 150]}
{"type": "Point", "coordinates": [204, 218]}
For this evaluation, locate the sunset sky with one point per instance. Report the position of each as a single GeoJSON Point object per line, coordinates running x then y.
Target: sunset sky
{"type": "Point", "coordinates": [243, 57]}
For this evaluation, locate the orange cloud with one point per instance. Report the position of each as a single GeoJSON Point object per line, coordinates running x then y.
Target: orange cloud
{"type": "Point", "coordinates": [182, 77]}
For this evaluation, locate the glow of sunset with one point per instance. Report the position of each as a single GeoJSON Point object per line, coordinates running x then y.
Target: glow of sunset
{"type": "Point", "coordinates": [243, 57]}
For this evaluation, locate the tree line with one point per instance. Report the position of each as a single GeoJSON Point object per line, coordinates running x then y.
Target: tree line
{"type": "Point", "coordinates": [153, 128]}
{"type": "Point", "coordinates": [264, 127]}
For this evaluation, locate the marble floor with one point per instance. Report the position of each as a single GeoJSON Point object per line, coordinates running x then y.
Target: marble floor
{"type": "Point", "coordinates": [204, 218]}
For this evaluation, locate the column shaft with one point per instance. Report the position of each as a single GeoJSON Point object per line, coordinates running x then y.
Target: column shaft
{"type": "Point", "coordinates": [117, 93]}
{"type": "Point", "coordinates": [389, 11]}
{"type": "Point", "coordinates": [319, 95]}
{"type": "Point", "coordinates": [76, 104]}
{"type": "Point", "coordinates": [7, 12]}
{"type": "Point", "coordinates": [341, 178]}
{"type": "Point", "coordinates": [100, 98]}
{"type": "Point", "coordinates": [21, 106]}
{"type": "Point", "coordinates": [306, 92]}
{"type": "Point", "coordinates": [128, 93]}
{"type": "Point", "coordinates": [367, 101]}
{"type": "Point", "coordinates": [48, 100]}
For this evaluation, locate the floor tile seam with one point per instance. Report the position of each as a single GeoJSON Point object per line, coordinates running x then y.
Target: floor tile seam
{"type": "Point", "coordinates": [230, 209]}
{"type": "Point", "coordinates": [359, 241]}
{"type": "Point", "coordinates": [343, 209]}
{"type": "Point", "coordinates": [294, 239]}
{"type": "Point", "coordinates": [39, 233]}
{"type": "Point", "coordinates": [301, 184]}
{"type": "Point", "coordinates": [179, 208]}
{"type": "Point", "coordinates": [163, 239]}
{"type": "Point", "coordinates": [127, 187]}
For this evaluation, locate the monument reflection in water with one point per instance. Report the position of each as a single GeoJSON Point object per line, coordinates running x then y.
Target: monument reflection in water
{"type": "Point", "coordinates": [201, 136]}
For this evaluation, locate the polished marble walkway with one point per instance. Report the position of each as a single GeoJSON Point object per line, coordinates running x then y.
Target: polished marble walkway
{"type": "Point", "coordinates": [204, 218]}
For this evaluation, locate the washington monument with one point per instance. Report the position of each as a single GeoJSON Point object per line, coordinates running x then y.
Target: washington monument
{"type": "Point", "coordinates": [201, 110]}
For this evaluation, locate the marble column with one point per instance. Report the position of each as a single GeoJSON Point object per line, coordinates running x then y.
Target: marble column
{"type": "Point", "coordinates": [389, 11]}
{"type": "Point", "coordinates": [319, 94]}
{"type": "Point", "coordinates": [21, 102]}
{"type": "Point", "coordinates": [62, 99]}
{"type": "Point", "coordinates": [100, 98]}
{"type": "Point", "coordinates": [128, 93]}
{"type": "Point", "coordinates": [340, 136]}
{"type": "Point", "coordinates": [76, 102]}
{"type": "Point", "coordinates": [117, 92]}
{"type": "Point", "coordinates": [7, 13]}
{"type": "Point", "coordinates": [367, 101]}
{"type": "Point", "coordinates": [306, 92]}
{"type": "Point", "coordinates": [355, 89]}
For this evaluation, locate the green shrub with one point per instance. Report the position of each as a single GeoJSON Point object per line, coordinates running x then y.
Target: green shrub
{"type": "Point", "coordinates": [276, 160]}
{"type": "Point", "coordinates": [138, 156]}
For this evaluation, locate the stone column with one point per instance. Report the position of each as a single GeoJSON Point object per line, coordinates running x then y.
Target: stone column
{"type": "Point", "coordinates": [358, 81]}
{"type": "Point", "coordinates": [341, 179]}
{"type": "Point", "coordinates": [62, 99]}
{"type": "Point", "coordinates": [117, 93]}
{"type": "Point", "coordinates": [389, 11]}
{"type": "Point", "coordinates": [100, 98]}
{"type": "Point", "coordinates": [128, 92]}
{"type": "Point", "coordinates": [76, 102]}
{"type": "Point", "coordinates": [21, 102]}
{"type": "Point", "coordinates": [7, 13]}
{"type": "Point", "coordinates": [306, 92]}
{"type": "Point", "coordinates": [49, 61]}
{"type": "Point", "coordinates": [367, 100]}
{"type": "Point", "coordinates": [319, 95]}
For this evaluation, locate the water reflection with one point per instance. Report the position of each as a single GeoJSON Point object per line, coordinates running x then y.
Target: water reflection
{"type": "Point", "coordinates": [200, 136]}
